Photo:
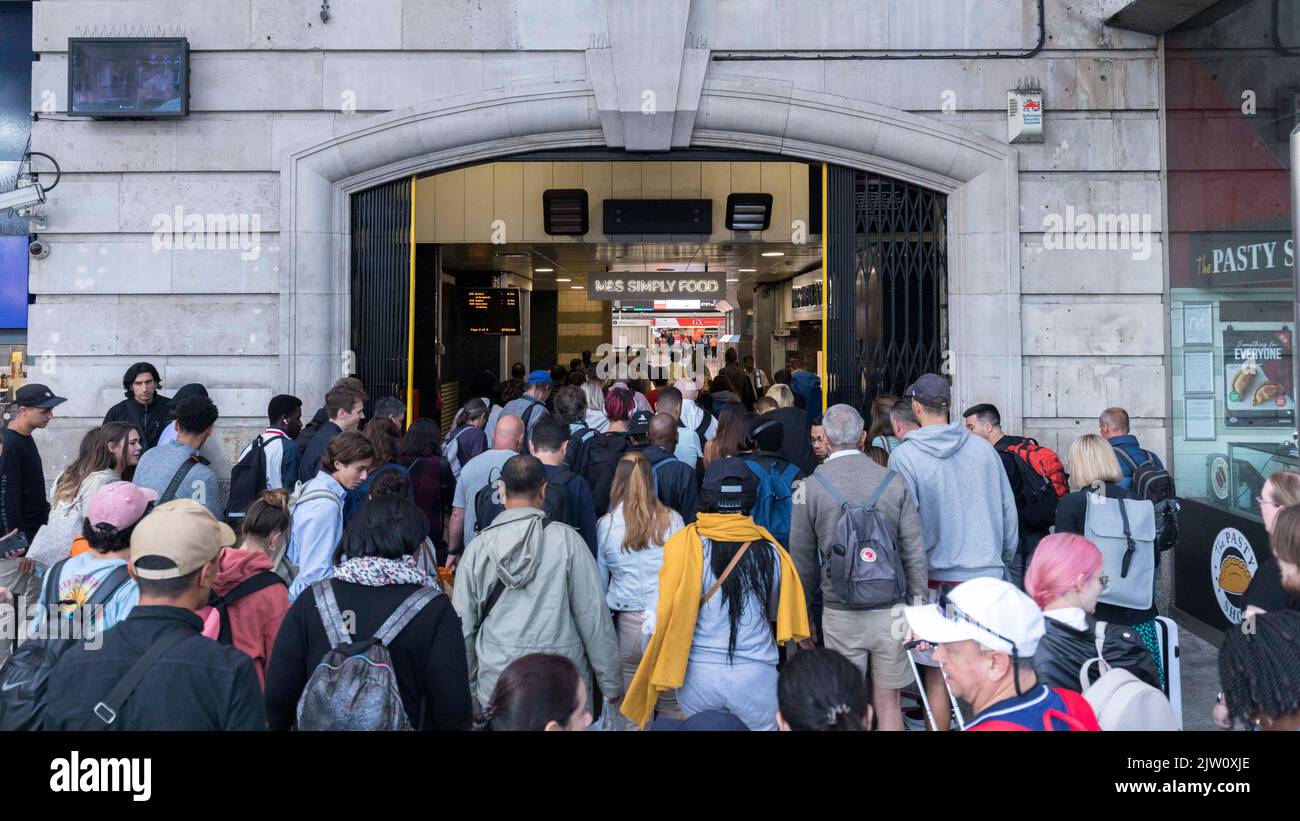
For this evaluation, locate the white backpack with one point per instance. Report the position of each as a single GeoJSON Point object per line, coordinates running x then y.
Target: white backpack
{"type": "Point", "coordinates": [1122, 701]}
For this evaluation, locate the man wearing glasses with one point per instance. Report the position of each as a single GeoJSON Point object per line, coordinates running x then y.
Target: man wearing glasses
{"type": "Point", "coordinates": [986, 644]}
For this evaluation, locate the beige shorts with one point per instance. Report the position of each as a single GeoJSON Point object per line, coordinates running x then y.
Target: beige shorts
{"type": "Point", "coordinates": [871, 635]}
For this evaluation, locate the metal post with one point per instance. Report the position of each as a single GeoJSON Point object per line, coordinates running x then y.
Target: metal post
{"type": "Point", "coordinates": [1295, 236]}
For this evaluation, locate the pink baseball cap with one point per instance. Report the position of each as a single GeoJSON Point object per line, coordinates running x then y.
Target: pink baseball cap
{"type": "Point", "coordinates": [120, 504]}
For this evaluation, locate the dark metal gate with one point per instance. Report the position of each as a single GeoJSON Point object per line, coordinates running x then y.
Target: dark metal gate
{"type": "Point", "coordinates": [381, 260]}
{"type": "Point", "coordinates": [887, 299]}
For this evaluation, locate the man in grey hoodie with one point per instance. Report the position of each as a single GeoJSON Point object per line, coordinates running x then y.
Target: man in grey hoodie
{"type": "Point", "coordinates": [525, 586]}
{"type": "Point", "coordinates": [968, 512]}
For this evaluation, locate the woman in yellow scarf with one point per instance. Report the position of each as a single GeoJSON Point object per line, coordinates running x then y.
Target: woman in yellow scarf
{"type": "Point", "coordinates": [719, 653]}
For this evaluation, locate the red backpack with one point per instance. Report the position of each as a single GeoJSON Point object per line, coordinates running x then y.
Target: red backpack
{"type": "Point", "coordinates": [1045, 461]}
{"type": "Point", "coordinates": [1078, 717]}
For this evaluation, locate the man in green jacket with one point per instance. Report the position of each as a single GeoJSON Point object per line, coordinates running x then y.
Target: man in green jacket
{"type": "Point", "coordinates": [524, 586]}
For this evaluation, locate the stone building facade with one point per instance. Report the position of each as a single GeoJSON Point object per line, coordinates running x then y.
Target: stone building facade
{"type": "Point", "coordinates": [289, 115]}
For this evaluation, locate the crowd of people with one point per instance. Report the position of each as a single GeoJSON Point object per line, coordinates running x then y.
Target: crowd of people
{"type": "Point", "coordinates": [699, 554]}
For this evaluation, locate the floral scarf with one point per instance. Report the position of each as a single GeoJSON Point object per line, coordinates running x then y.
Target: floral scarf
{"type": "Point", "coordinates": [374, 571]}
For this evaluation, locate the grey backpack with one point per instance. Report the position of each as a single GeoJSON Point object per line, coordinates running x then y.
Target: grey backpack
{"type": "Point", "coordinates": [864, 567]}
{"type": "Point", "coordinates": [1124, 530]}
{"type": "Point", "coordinates": [354, 687]}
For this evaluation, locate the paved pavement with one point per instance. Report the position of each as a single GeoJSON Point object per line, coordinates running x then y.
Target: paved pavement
{"type": "Point", "coordinates": [1200, 680]}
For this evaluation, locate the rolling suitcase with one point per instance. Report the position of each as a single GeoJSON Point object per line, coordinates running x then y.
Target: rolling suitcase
{"type": "Point", "coordinates": [1167, 634]}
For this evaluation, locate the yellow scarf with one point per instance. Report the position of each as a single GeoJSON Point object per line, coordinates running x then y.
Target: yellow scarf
{"type": "Point", "coordinates": [663, 666]}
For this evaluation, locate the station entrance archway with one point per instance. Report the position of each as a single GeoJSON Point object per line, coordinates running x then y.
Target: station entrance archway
{"type": "Point", "coordinates": [875, 322]}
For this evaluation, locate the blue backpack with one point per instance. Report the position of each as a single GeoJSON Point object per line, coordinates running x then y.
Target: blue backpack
{"type": "Point", "coordinates": [775, 498]}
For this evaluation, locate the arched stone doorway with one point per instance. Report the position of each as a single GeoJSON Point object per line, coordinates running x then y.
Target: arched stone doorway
{"type": "Point", "coordinates": [978, 175]}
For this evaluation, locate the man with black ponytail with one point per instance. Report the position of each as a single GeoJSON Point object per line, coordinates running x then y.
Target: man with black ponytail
{"type": "Point", "coordinates": [1259, 670]}
{"type": "Point", "coordinates": [725, 581]}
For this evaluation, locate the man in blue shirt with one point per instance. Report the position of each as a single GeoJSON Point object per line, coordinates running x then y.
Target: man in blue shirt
{"type": "Point", "coordinates": [176, 470]}
{"type": "Point", "coordinates": [1113, 426]}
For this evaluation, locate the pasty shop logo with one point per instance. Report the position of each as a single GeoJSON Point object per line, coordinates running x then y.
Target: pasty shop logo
{"type": "Point", "coordinates": [1232, 566]}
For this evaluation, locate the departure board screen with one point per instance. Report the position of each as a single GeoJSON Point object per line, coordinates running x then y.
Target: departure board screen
{"type": "Point", "coordinates": [491, 311]}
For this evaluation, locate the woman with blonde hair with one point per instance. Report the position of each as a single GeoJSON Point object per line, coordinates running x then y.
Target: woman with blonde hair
{"type": "Point", "coordinates": [1094, 468]}
{"type": "Point", "coordinates": [106, 453]}
{"type": "Point", "coordinates": [782, 394]}
{"type": "Point", "coordinates": [596, 418]}
{"type": "Point", "coordinates": [1280, 491]}
{"type": "Point", "coordinates": [630, 552]}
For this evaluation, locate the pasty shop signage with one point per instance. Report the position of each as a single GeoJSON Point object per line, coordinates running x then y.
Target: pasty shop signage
{"type": "Point", "coordinates": [1232, 566]}
{"type": "Point", "coordinates": [1257, 378]}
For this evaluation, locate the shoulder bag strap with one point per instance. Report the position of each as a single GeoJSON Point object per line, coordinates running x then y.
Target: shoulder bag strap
{"type": "Point", "coordinates": [731, 565]}
{"type": "Point", "coordinates": [1124, 455]}
{"type": "Point", "coordinates": [328, 607]}
{"type": "Point", "coordinates": [880, 489]}
{"type": "Point", "coordinates": [405, 612]}
{"type": "Point", "coordinates": [1128, 539]}
{"type": "Point", "coordinates": [52, 582]}
{"type": "Point", "coordinates": [108, 587]}
{"type": "Point", "coordinates": [108, 709]}
{"type": "Point", "coordinates": [181, 473]}
{"type": "Point", "coordinates": [835, 494]}
{"type": "Point", "coordinates": [491, 601]}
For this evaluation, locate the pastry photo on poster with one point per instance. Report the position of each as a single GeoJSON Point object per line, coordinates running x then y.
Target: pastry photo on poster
{"type": "Point", "coordinates": [1257, 378]}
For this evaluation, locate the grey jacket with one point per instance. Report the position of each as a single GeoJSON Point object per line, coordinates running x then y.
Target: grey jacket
{"type": "Point", "coordinates": [552, 601]}
{"type": "Point", "coordinates": [815, 515]}
{"type": "Point", "coordinates": [968, 512]}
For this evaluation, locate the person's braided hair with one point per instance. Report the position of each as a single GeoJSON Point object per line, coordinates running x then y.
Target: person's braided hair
{"type": "Point", "coordinates": [1259, 667]}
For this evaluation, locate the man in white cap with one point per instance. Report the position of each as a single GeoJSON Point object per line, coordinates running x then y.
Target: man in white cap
{"type": "Point", "coordinates": [155, 670]}
{"type": "Point", "coordinates": [986, 644]}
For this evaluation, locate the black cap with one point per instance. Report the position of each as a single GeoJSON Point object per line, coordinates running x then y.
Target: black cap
{"type": "Point", "coordinates": [192, 389]}
{"type": "Point", "coordinates": [36, 396]}
{"type": "Point", "coordinates": [639, 424]}
{"type": "Point", "coordinates": [732, 480]}
{"type": "Point", "coordinates": [767, 433]}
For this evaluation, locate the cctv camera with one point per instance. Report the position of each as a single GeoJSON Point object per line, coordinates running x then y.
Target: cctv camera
{"type": "Point", "coordinates": [38, 249]}
{"type": "Point", "coordinates": [24, 197]}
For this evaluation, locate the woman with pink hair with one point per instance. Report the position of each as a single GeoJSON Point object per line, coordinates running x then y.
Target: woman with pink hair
{"type": "Point", "coordinates": [1065, 579]}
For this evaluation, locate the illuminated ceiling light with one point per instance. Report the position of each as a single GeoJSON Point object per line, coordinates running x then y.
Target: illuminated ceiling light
{"type": "Point", "coordinates": [576, 287]}
{"type": "Point", "coordinates": [773, 253]}
{"type": "Point", "coordinates": [543, 270]}
{"type": "Point", "coordinates": [747, 270]}
{"type": "Point", "coordinates": [749, 212]}
{"type": "Point", "coordinates": [563, 279]}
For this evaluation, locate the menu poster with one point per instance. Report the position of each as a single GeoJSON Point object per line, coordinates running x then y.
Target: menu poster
{"type": "Point", "coordinates": [1257, 379]}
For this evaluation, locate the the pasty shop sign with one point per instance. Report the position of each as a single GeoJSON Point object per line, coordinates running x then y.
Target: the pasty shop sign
{"type": "Point", "coordinates": [1257, 379]}
{"type": "Point", "coordinates": [1232, 566]}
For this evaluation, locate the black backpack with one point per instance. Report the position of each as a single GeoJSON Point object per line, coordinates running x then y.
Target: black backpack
{"type": "Point", "coordinates": [248, 586]}
{"type": "Point", "coordinates": [25, 677]}
{"type": "Point", "coordinates": [575, 458]}
{"type": "Point", "coordinates": [248, 479]}
{"type": "Point", "coordinates": [533, 405]}
{"type": "Point", "coordinates": [488, 503]}
{"type": "Point", "coordinates": [1154, 484]}
{"type": "Point", "coordinates": [1036, 498]}
{"type": "Point", "coordinates": [603, 453]}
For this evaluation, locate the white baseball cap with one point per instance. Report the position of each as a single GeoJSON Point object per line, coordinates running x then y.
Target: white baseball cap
{"type": "Point", "coordinates": [991, 612]}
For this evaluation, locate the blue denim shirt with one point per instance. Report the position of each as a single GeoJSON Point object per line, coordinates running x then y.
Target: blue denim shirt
{"type": "Point", "coordinates": [630, 578]}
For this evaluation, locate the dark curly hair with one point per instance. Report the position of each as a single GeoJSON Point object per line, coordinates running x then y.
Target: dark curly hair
{"type": "Point", "coordinates": [1259, 667]}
